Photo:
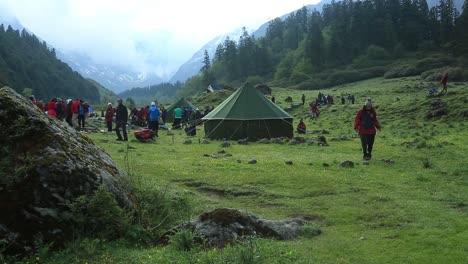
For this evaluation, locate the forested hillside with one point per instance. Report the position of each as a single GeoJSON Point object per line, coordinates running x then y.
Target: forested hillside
{"type": "Point", "coordinates": [28, 66]}
{"type": "Point", "coordinates": [348, 41]}
{"type": "Point", "coordinates": [162, 93]}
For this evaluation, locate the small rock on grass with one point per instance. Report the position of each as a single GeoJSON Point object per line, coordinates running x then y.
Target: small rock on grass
{"type": "Point", "coordinates": [289, 162]}
{"type": "Point", "coordinates": [347, 164]}
{"type": "Point", "coordinates": [253, 162]}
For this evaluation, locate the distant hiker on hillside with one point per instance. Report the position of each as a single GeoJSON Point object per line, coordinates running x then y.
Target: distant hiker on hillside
{"type": "Point", "coordinates": [177, 117]}
{"type": "Point", "coordinates": [301, 127]}
{"type": "Point", "coordinates": [121, 117]}
{"type": "Point", "coordinates": [443, 81]}
{"type": "Point", "coordinates": [303, 99]}
{"type": "Point", "coordinates": [315, 110]}
{"type": "Point", "coordinates": [352, 99]}
{"type": "Point", "coordinates": [273, 98]}
{"type": "Point", "coordinates": [343, 101]}
{"type": "Point", "coordinates": [109, 116]}
{"type": "Point", "coordinates": [153, 122]}
{"type": "Point", "coordinates": [365, 125]}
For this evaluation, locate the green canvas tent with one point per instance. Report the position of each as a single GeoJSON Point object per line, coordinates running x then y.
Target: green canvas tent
{"type": "Point", "coordinates": [170, 111]}
{"type": "Point", "coordinates": [247, 113]}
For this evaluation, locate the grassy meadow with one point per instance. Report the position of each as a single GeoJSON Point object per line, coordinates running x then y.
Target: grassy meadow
{"type": "Point", "coordinates": [414, 210]}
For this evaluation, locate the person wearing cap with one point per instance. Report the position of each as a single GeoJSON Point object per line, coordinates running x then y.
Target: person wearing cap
{"type": "Point", "coordinates": [154, 114]}
{"type": "Point", "coordinates": [121, 117]}
{"type": "Point", "coordinates": [365, 124]}
{"type": "Point", "coordinates": [109, 116]}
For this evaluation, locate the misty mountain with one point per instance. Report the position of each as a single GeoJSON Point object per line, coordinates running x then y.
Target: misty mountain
{"type": "Point", "coordinates": [193, 65]}
{"type": "Point", "coordinates": [115, 78]}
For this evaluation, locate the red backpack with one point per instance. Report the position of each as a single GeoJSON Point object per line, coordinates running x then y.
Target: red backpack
{"type": "Point", "coordinates": [144, 134]}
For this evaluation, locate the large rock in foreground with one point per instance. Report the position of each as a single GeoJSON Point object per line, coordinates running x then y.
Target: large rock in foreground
{"type": "Point", "coordinates": [223, 226]}
{"type": "Point", "coordinates": [45, 164]}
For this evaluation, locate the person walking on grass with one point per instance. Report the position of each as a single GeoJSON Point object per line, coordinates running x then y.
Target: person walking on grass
{"type": "Point", "coordinates": [121, 117]}
{"type": "Point", "coordinates": [303, 99]}
{"type": "Point", "coordinates": [443, 81]}
{"type": "Point", "coordinates": [365, 124]}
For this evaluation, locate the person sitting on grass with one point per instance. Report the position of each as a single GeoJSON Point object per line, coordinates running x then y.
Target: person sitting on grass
{"type": "Point", "coordinates": [301, 127]}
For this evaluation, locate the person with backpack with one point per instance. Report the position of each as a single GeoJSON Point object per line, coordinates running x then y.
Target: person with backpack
{"type": "Point", "coordinates": [153, 122]}
{"type": "Point", "coordinates": [121, 117]}
{"type": "Point", "coordinates": [82, 110]}
{"type": "Point", "coordinates": [365, 124]}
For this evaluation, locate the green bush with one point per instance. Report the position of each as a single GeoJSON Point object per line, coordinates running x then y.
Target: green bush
{"type": "Point", "coordinates": [254, 80]}
{"type": "Point", "coordinates": [377, 53]}
{"type": "Point", "coordinates": [99, 215]}
{"type": "Point", "coordinates": [184, 240]}
{"type": "Point", "coordinates": [404, 70]}
{"type": "Point", "coordinates": [310, 230]}
{"type": "Point", "coordinates": [155, 212]}
{"type": "Point", "coordinates": [455, 74]}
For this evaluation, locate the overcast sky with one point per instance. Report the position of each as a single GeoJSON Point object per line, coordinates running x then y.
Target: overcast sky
{"type": "Point", "coordinates": [132, 31]}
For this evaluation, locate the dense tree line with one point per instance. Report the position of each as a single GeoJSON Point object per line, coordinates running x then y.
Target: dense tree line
{"type": "Point", "coordinates": [162, 92]}
{"type": "Point", "coordinates": [28, 66]}
{"type": "Point", "coordinates": [310, 42]}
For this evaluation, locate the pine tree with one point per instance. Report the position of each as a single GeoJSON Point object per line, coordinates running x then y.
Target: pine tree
{"type": "Point", "coordinates": [206, 62]}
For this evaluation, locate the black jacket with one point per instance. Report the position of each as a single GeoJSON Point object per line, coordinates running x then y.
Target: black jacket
{"type": "Point", "coordinates": [121, 113]}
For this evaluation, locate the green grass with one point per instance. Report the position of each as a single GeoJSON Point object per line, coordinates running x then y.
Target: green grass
{"type": "Point", "coordinates": [412, 211]}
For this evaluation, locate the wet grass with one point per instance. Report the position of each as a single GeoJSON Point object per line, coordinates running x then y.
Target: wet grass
{"type": "Point", "coordinates": [411, 211]}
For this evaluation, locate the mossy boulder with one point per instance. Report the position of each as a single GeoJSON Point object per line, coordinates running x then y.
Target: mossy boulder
{"type": "Point", "coordinates": [44, 166]}
{"type": "Point", "coordinates": [223, 226]}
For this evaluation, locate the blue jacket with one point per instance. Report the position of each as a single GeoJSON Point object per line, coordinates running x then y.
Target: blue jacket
{"type": "Point", "coordinates": [154, 113]}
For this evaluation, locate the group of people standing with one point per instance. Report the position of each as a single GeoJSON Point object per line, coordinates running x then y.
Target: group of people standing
{"type": "Point", "coordinates": [74, 112]}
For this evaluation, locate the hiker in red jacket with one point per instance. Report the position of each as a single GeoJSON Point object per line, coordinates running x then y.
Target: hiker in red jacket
{"type": "Point", "coordinates": [109, 116]}
{"type": "Point", "coordinates": [52, 107]}
{"type": "Point", "coordinates": [365, 125]}
{"type": "Point", "coordinates": [75, 108]}
{"type": "Point", "coordinates": [443, 81]}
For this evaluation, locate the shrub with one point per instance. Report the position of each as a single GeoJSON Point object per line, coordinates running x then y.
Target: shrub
{"type": "Point", "coordinates": [184, 240]}
{"type": "Point", "coordinates": [427, 164]}
{"type": "Point", "coordinates": [455, 74]}
{"type": "Point", "coordinates": [99, 215]}
{"type": "Point", "coordinates": [310, 230]}
{"type": "Point", "coordinates": [254, 80]}
{"type": "Point", "coordinates": [377, 53]}
{"type": "Point", "coordinates": [404, 70]}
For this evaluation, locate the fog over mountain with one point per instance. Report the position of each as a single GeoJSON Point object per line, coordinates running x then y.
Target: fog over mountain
{"type": "Point", "coordinates": [124, 44]}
